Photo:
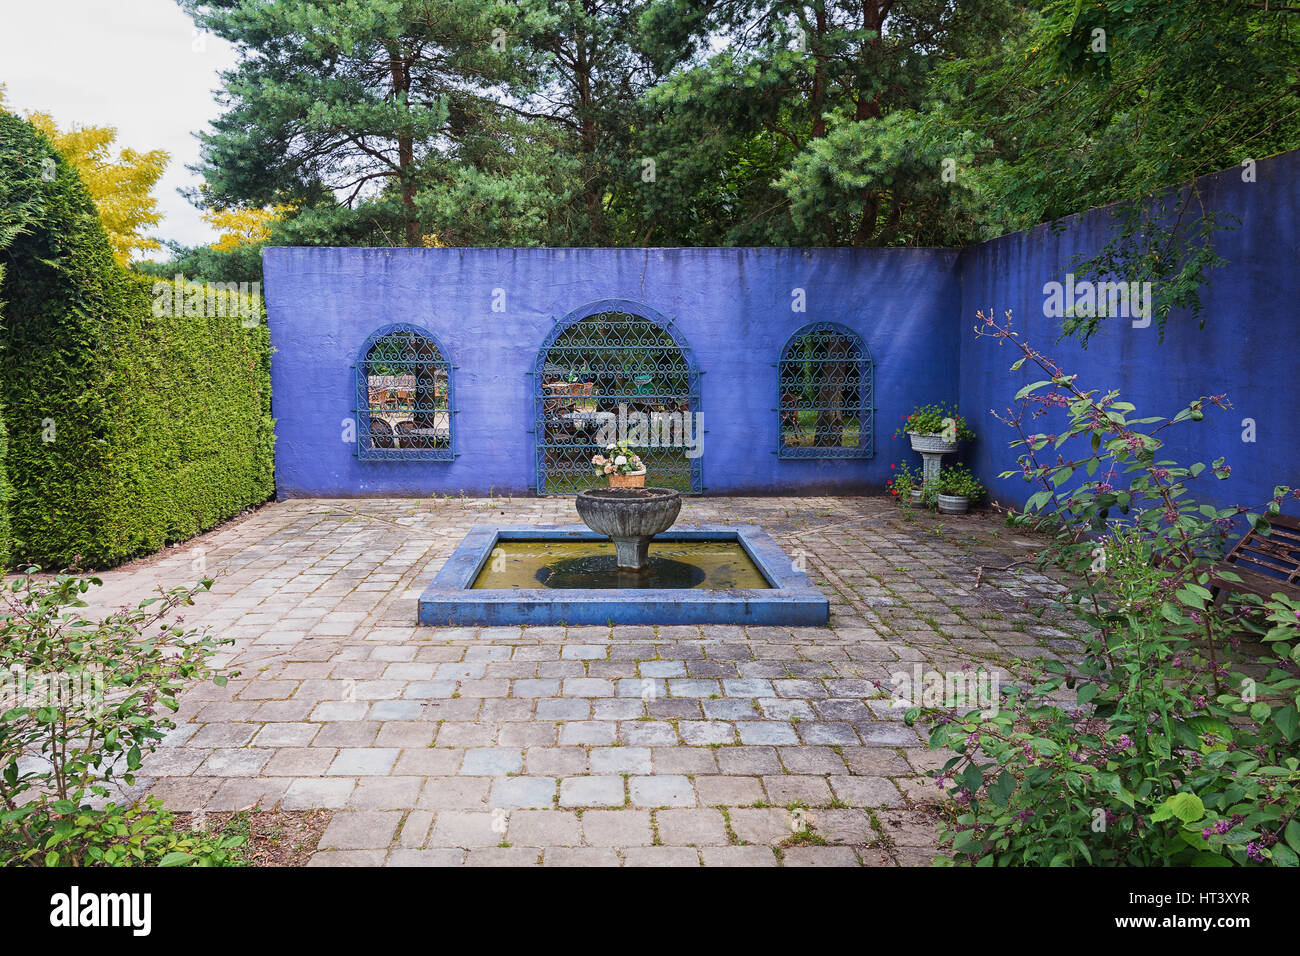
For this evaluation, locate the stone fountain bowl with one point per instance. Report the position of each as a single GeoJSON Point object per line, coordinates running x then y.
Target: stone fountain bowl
{"type": "Point", "coordinates": [629, 517]}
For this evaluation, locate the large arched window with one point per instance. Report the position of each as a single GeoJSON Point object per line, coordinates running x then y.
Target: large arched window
{"type": "Point", "coordinates": [826, 399]}
{"type": "Point", "coordinates": [403, 395]}
{"type": "Point", "coordinates": [616, 369]}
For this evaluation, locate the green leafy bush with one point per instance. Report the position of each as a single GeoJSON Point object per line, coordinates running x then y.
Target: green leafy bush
{"type": "Point", "coordinates": [1174, 740]}
{"type": "Point", "coordinates": [5, 494]}
{"type": "Point", "coordinates": [957, 480]}
{"type": "Point", "coordinates": [127, 429]}
{"type": "Point", "coordinates": [81, 703]}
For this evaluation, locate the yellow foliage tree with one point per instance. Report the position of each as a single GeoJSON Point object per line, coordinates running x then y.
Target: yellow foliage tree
{"type": "Point", "coordinates": [239, 227]}
{"type": "Point", "coordinates": [121, 186]}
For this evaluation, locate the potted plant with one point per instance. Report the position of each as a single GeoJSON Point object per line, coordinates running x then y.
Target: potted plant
{"type": "Point", "coordinates": [936, 429]}
{"type": "Point", "coordinates": [621, 466]}
{"type": "Point", "coordinates": [956, 489]}
{"type": "Point", "coordinates": [906, 485]}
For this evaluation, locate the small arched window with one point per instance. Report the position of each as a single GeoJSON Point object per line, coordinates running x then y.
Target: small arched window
{"type": "Point", "coordinates": [404, 397]}
{"type": "Point", "coordinates": [826, 394]}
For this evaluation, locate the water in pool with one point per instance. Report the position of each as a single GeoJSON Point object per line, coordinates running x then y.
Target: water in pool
{"type": "Point", "coordinates": [560, 565]}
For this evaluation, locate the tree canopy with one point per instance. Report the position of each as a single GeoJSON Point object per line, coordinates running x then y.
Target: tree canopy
{"type": "Point", "coordinates": [738, 122]}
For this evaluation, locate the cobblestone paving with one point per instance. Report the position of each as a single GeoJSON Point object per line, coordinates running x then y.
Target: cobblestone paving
{"type": "Point", "coordinates": [503, 745]}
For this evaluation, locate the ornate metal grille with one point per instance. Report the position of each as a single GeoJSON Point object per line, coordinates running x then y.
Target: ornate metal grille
{"type": "Point", "coordinates": [827, 400]}
{"type": "Point", "coordinates": [404, 408]}
{"type": "Point", "coordinates": [604, 372]}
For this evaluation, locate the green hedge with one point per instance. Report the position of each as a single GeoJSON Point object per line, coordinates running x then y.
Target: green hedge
{"type": "Point", "coordinates": [5, 494]}
{"type": "Point", "coordinates": [127, 430]}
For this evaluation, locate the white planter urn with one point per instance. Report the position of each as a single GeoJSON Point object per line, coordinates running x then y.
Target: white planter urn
{"type": "Point", "coordinates": [953, 504]}
{"type": "Point", "coordinates": [932, 448]}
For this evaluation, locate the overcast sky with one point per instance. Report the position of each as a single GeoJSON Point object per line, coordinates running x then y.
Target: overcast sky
{"type": "Point", "coordinates": [137, 65]}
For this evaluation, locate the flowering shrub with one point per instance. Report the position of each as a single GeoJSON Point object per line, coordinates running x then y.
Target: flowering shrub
{"type": "Point", "coordinates": [621, 460]}
{"type": "Point", "coordinates": [1174, 740]}
{"type": "Point", "coordinates": [937, 419]}
{"type": "Point", "coordinates": [81, 703]}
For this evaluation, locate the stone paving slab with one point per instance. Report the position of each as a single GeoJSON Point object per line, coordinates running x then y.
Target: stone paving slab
{"type": "Point", "coordinates": [624, 745]}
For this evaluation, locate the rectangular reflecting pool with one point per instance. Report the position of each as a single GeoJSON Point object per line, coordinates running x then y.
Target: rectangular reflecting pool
{"type": "Point", "coordinates": [573, 565]}
{"type": "Point", "coordinates": [540, 576]}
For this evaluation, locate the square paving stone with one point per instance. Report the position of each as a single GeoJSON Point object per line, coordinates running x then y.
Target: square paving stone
{"type": "Point", "coordinates": [820, 856]}
{"type": "Point", "coordinates": [556, 761]}
{"type": "Point", "coordinates": [579, 856]}
{"type": "Point", "coordinates": [826, 732]}
{"type": "Point", "coordinates": [588, 733]}
{"type": "Point", "coordinates": [464, 828]}
{"type": "Point", "coordinates": [438, 857]}
{"type": "Point", "coordinates": [317, 793]}
{"type": "Point", "coordinates": [748, 761]}
{"type": "Point", "coordinates": [792, 788]}
{"type": "Point", "coordinates": [661, 791]}
{"type": "Point", "coordinates": [723, 791]}
{"type": "Point", "coordinates": [492, 761]}
{"type": "Point", "coordinates": [544, 828]}
{"type": "Point", "coordinates": [606, 760]}
{"type": "Point", "coordinates": [602, 791]}
{"type": "Point", "coordinates": [704, 827]}
{"type": "Point", "coordinates": [762, 826]}
{"type": "Point", "coordinates": [766, 732]}
{"type": "Point", "coordinates": [737, 856]}
{"type": "Point", "coordinates": [702, 733]}
{"type": "Point", "coordinates": [502, 856]}
{"type": "Point", "coordinates": [234, 763]}
{"type": "Point", "coordinates": [617, 828]}
{"type": "Point", "coordinates": [661, 856]}
{"type": "Point", "coordinates": [454, 792]}
{"type": "Point", "coordinates": [522, 792]}
{"type": "Point", "coordinates": [647, 733]}
{"type": "Point", "coordinates": [363, 761]}
{"type": "Point", "coordinates": [360, 830]}
{"type": "Point", "coordinates": [386, 793]}
{"type": "Point", "coordinates": [866, 791]}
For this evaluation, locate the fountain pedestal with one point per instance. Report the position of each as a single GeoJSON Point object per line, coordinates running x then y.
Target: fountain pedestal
{"type": "Point", "coordinates": [629, 517]}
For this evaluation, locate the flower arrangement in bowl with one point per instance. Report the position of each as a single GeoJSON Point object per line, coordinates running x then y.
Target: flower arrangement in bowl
{"type": "Point", "coordinates": [956, 489]}
{"type": "Point", "coordinates": [937, 427]}
{"type": "Point", "coordinates": [622, 466]}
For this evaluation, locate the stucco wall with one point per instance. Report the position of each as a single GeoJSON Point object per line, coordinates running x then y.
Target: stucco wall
{"type": "Point", "coordinates": [733, 306]}
{"type": "Point", "coordinates": [914, 308]}
{"type": "Point", "coordinates": [1249, 348]}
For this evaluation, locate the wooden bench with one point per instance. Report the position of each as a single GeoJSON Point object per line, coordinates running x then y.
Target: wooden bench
{"type": "Point", "coordinates": [1265, 564]}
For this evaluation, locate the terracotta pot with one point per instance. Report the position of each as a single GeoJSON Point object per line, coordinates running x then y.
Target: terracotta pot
{"type": "Point", "coordinates": [635, 480]}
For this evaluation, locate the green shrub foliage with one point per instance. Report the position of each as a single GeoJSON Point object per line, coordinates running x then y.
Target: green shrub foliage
{"type": "Point", "coordinates": [5, 495]}
{"type": "Point", "coordinates": [127, 429]}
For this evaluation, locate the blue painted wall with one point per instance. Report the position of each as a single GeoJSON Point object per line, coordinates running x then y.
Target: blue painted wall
{"type": "Point", "coordinates": [732, 305]}
{"type": "Point", "coordinates": [1249, 348]}
{"type": "Point", "coordinates": [914, 308]}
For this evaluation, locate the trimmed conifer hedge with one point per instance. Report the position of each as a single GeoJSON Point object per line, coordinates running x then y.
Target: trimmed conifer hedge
{"type": "Point", "coordinates": [5, 494]}
{"type": "Point", "coordinates": [129, 427]}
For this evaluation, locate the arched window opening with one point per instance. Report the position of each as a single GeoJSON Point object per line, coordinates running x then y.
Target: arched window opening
{"type": "Point", "coordinates": [826, 394]}
{"type": "Point", "coordinates": [404, 397]}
